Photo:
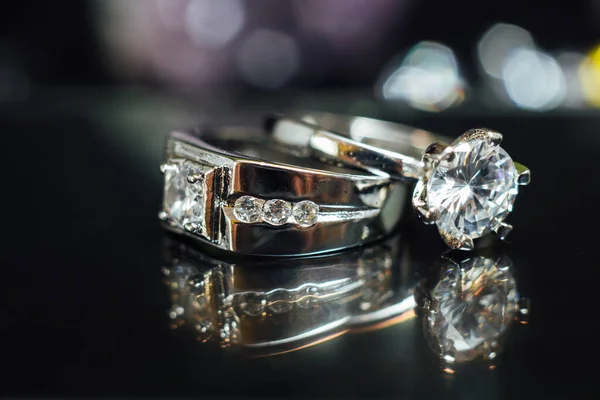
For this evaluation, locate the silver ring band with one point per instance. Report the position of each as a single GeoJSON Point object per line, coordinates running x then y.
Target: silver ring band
{"type": "Point", "coordinates": [220, 189]}
{"type": "Point", "coordinates": [382, 148]}
{"type": "Point", "coordinates": [466, 186]}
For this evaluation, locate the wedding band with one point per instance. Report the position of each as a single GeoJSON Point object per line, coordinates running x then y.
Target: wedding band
{"type": "Point", "coordinates": [382, 148]}
{"type": "Point", "coordinates": [231, 190]}
{"type": "Point", "coordinates": [466, 187]}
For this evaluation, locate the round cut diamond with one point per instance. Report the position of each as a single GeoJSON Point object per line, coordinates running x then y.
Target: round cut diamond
{"type": "Point", "coordinates": [247, 209]}
{"type": "Point", "coordinates": [477, 302]}
{"type": "Point", "coordinates": [305, 213]}
{"type": "Point", "coordinates": [276, 212]}
{"type": "Point", "coordinates": [473, 188]}
{"type": "Point", "coordinates": [183, 202]}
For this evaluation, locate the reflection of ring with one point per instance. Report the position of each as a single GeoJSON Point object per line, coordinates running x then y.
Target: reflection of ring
{"type": "Point", "coordinates": [235, 200]}
{"type": "Point", "coordinates": [268, 307]}
{"type": "Point", "coordinates": [467, 187]}
{"type": "Point", "coordinates": [468, 305]}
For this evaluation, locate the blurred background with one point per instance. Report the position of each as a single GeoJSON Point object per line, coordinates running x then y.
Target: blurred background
{"type": "Point", "coordinates": [430, 56]}
{"type": "Point", "coordinates": [90, 88]}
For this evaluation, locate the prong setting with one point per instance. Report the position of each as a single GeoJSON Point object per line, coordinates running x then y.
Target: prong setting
{"type": "Point", "coordinates": [495, 138]}
{"type": "Point", "coordinates": [433, 153]}
{"type": "Point", "coordinates": [193, 178]}
{"type": "Point", "coordinates": [466, 243]}
{"type": "Point", "coordinates": [524, 311]}
{"type": "Point", "coordinates": [431, 215]}
{"type": "Point", "coordinates": [164, 167]}
{"type": "Point", "coordinates": [523, 174]}
{"type": "Point", "coordinates": [426, 215]}
{"type": "Point", "coordinates": [503, 229]}
{"type": "Point", "coordinates": [164, 217]}
{"type": "Point", "coordinates": [489, 135]}
{"type": "Point", "coordinates": [453, 176]}
{"type": "Point", "coordinates": [190, 227]}
{"type": "Point", "coordinates": [436, 148]}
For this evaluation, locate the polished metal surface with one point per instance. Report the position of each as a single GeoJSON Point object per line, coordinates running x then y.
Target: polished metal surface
{"type": "Point", "coordinates": [354, 207]}
{"type": "Point", "coordinates": [382, 148]}
{"type": "Point", "coordinates": [391, 150]}
{"type": "Point", "coordinates": [273, 306]}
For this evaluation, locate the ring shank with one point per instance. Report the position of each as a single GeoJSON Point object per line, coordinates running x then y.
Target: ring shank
{"type": "Point", "coordinates": [383, 148]}
{"type": "Point", "coordinates": [354, 208]}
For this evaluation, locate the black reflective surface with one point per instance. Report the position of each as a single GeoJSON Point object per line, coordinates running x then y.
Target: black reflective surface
{"type": "Point", "coordinates": [86, 310]}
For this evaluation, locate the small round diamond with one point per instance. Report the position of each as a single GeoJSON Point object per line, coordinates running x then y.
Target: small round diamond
{"type": "Point", "coordinates": [247, 209]}
{"type": "Point", "coordinates": [473, 187]}
{"type": "Point", "coordinates": [276, 212]}
{"type": "Point", "coordinates": [305, 213]}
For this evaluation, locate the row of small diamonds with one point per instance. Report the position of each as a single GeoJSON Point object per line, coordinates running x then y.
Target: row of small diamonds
{"type": "Point", "coordinates": [275, 212]}
{"type": "Point", "coordinates": [283, 300]}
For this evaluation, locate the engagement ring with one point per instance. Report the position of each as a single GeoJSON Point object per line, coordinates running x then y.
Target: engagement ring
{"type": "Point", "coordinates": [467, 188]}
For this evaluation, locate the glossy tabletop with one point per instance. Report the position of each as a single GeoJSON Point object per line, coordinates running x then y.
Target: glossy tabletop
{"type": "Point", "coordinates": [97, 301]}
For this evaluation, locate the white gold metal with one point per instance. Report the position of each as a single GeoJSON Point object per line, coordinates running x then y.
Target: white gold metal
{"type": "Point", "coordinates": [194, 178]}
{"type": "Point", "coordinates": [503, 229]}
{"type": "Point", "coordinates": [382, 148]}
{"type": "Point", "coordinates": [351, 207]}
{"type": "Point", "coordinates": [408, 154]}
{"type": "Point", "coordinates": [524, 174]}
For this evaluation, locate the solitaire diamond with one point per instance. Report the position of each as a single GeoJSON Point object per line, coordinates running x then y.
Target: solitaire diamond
{"type": "Point", "coordinates": [472, 188]}
{"type": "Point", "coordinates": [276, 212]}
{"type": "Point", "coordinates": [247, 209]}
{"type": "Point", "coordinates": [476, 301]}
{"type": "Point", "coordinates": [183, 202]}
{"type": "Point", "coordinates": [305, 213]}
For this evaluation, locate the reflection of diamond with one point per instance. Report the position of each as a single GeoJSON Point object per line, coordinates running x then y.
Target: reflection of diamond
{"type": "Point", "coordinates": [473, 187]}
{"type": "Point", "coordinates": [309, 297]}
{"type": "Point", "coordinates": [280, 301]}
{"type": "Point", "coordinates": [276, 212]}
{"type": "Point", "coordinates": [305, 213]}
{"type": "Point", "coordinates": [477, 302]}
{"type": "Point", "coordinates": [253, 304]}
{"type": "Point", "coordinates": [248, 209]}
{"type": "Point", "coordinates": [183, 201]}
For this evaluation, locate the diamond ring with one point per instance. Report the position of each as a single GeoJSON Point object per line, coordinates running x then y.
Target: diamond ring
{"type": "Point", "coordinates": [466, 188]}
{"type": "Point", "coordinates": [234, 192]}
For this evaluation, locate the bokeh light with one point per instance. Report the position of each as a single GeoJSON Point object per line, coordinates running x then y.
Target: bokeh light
{"type": "Point", "coordinates": [428, 78]}
{"type": "Point", "coordinates": [589, 73]}
{"type": "Point", "coordinates": [213, 24]}
{"type": "Point", "coordinates": [347, 23]}
{"type": "Point", "coordinates": [268, 59]}
{"type": "Point", "coordinates": [498, 43]}
{"type": "Point", "coordinates": [570, 63]}
{"type": "Point", "coordinates": [533, 80]}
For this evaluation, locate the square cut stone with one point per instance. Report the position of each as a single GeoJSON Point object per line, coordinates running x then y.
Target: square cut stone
{"type": "Point", "coordinates": [184, 199]}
